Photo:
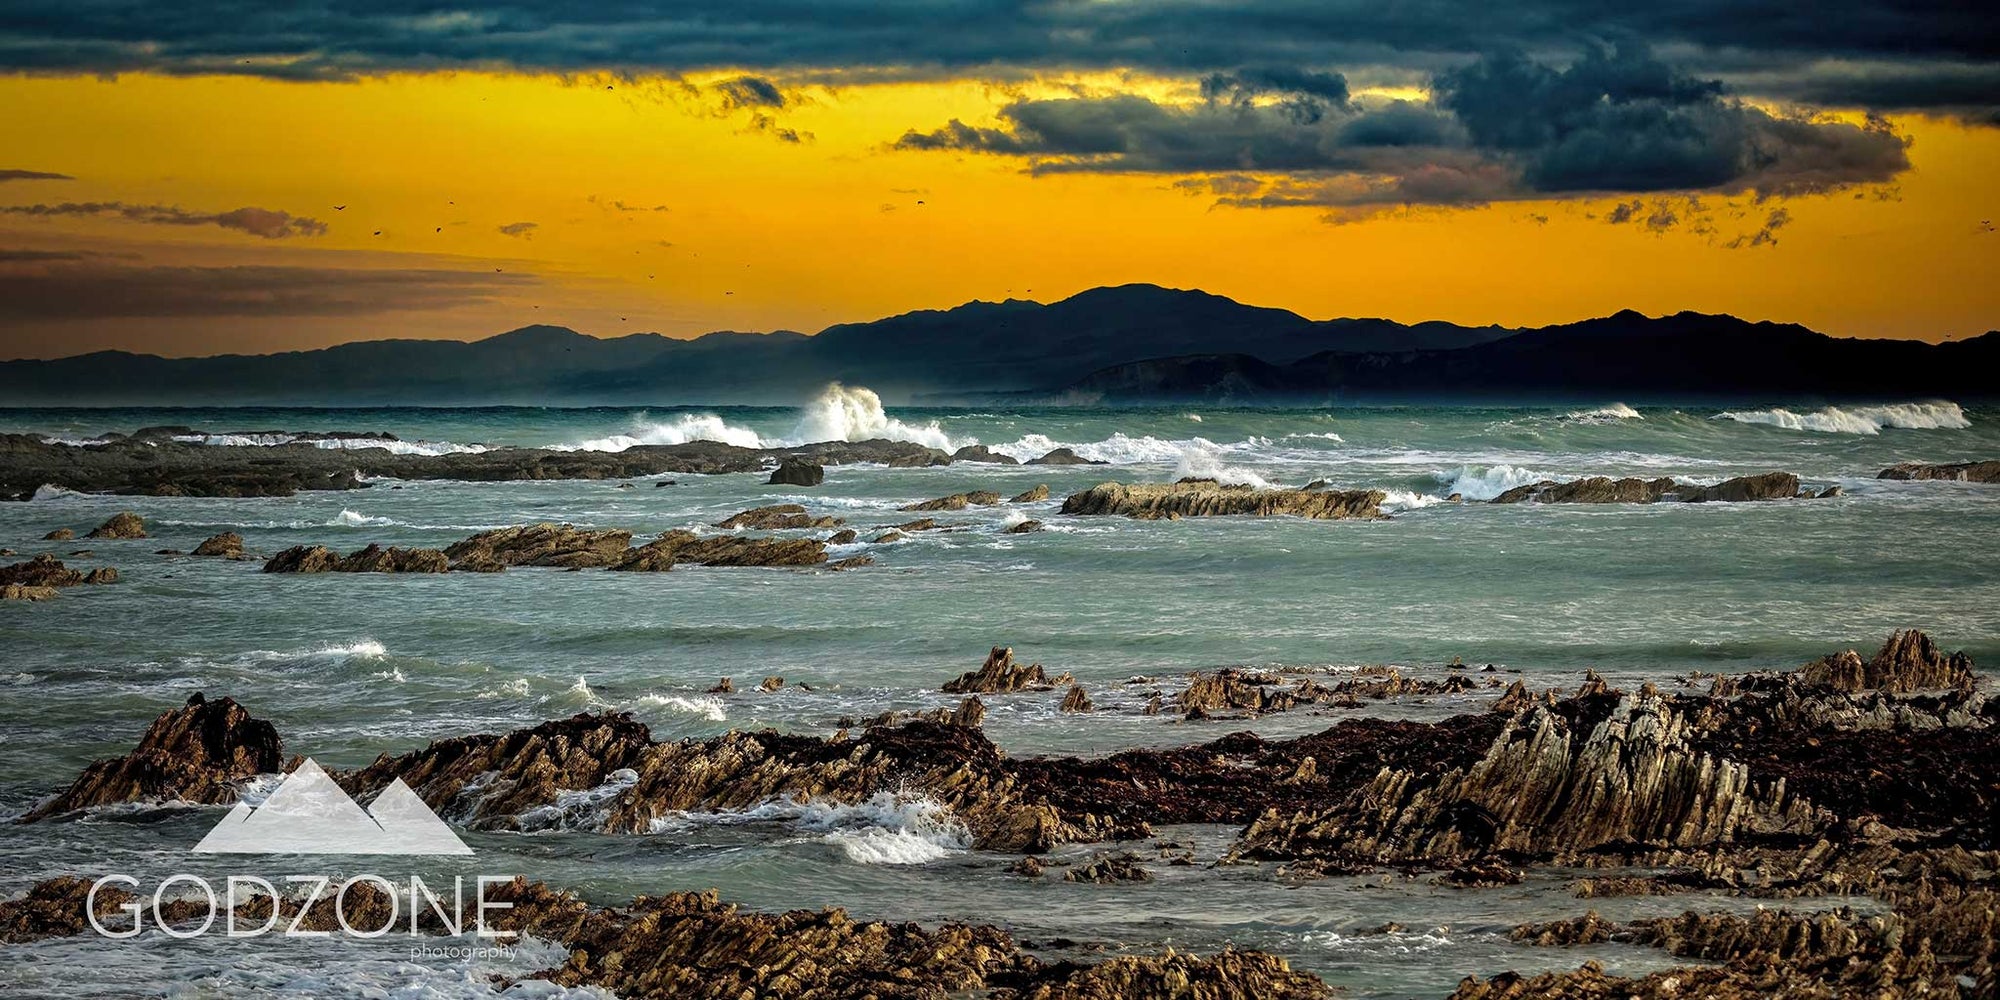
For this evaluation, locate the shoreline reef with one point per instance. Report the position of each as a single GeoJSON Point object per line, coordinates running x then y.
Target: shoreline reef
{"type": "Point", "coordinates": [1853, 775]}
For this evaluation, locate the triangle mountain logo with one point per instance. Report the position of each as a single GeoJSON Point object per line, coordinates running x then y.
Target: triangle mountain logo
{"type": "Point", "coordinates": [309, 814]}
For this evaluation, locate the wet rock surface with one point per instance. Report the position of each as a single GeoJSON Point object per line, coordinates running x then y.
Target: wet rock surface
{"type": "Point", "coordinates": [228, 545]}
{"type": "Point", "coordinates": [1603, 489]}
{"type": "Point", "coordinates": [369, 559]}
{"type": "Point", "coordinates": [956, 501]}
{"type": "Point", "coordinates": [1966, 472]}
{"type": "Point", "coordinates": [121, 525]}
{"type": "Point", "coordinates": [796, 472]}
{"type": "Point", "coordinates": [543, 544]}
{"type": "Point", "coordinates": [195, 753]}
{"type": "Point", "coordinates": [1207, 498]}
{"type": "Point", "coordinates": [156, 464]}
{"type": "Point", "coordinates": [43, 576]}
{"type": "Point", "coordinates": [1000, 673]}
{"type": "Point", "coordinates": [777, 517]}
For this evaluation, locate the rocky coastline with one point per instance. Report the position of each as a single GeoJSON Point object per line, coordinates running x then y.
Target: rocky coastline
{"type": "Point", "coordinates": [1855, 774]}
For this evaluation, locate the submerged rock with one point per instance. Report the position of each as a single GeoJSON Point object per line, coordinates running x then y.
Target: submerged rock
{"type": "Point", "coordinates": [121, 525]}
{"type": "Point", "coordinates": [543, 544]}
{"type": "Point", "coordinates": [60, 535]}
{"type": "Point", "coordinates": [1025, 528]}
{"type": "Point", "coordinates": [1603, 489]}
{"type": "Point", "coordinates": [956, 501]}
{"type": "Point", "coordinates": [776, 517]}
{"type": "Point", "coordinates": [26, 592]}
{"type": "Point", "coordinates": [1000, 674]}
{"type": "Point", "coordinates": [1107, 869]}
{"type": "Point", "coordinates": [795, 472]}
{"type": "Point", "coordinates": [196, 753]}
{"type": "Point", "coordinates": [1206, 498]}
{"type": "Point", "coordinates": [1064, 456]}
{"type": "Point", "coordinates": [1965, 472]}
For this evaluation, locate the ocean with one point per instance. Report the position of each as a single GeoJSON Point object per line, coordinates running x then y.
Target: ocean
{"type": "Point", "coordinates": [352, 666]}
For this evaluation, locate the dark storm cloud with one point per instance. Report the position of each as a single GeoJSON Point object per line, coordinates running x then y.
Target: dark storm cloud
{"type": "Point", "coordinates": [33, 175]}
{"type": "Point", "coordinates": [1502, 127]}
{"type": "Point", "coordinates": [269, 223]}
{"type": "Point", "coordinates": [66, 291]}
{"type": "Point", "coordinates": [318, 39]}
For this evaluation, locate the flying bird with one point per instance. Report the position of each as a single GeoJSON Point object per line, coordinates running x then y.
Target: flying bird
{"type": "Point", "coordinates": [340, 208]}
{"type": "Point", "coordinates": [378, 232]}
{"type": "Point", "coordinates": [438, 229]}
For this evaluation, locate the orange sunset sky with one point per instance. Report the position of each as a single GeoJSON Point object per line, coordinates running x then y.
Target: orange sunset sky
{"type": "Point", "coordinates": [458, 201]}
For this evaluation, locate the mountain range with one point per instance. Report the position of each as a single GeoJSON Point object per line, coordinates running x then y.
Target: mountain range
{"type": "Point", "coordinates": [1131, 343]}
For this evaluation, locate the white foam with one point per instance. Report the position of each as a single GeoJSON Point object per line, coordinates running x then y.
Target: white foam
{"type": "Point", "coordinates": [331, 443]}
{"type": "Point", "coordinates": [356, 519]}
{"type": "Point", "coordinates": [680, 430]}
{"type": "Point", "coordinates": [579, 809]}
{"type": "Point", "coordinates": [1870, 420]}
{"type": "Point", "coordinates": [1486, 482]}
{"type": "Point", "coordinates": [841, 413]}
{"type": "Point", "coordinates": [48, 491]}
{"type": "Point", "coordinates": [1604, 414]}
{"type": "Point", "coordinates": [1397, 500]}
{"type": "Point", "coordinates": [1203, 460]}
{"type": "Point", "coordinates": [707, 706]}
{"type": "Point", "coordinates": [394, 674]}
{"type": "Point", "coordinates": [887, 829]}
{"type": "Point", "coordinates": [1196, 417]}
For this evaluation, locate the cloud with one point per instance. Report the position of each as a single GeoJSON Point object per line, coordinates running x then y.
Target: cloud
{"type": "Point", "coordinates": [750, 92]}
{"type": "Point", "coordinates": [268, 223]}
{"type": "Point", "coordinates": [524, 230]}
{"type": "Point", "coordinates": [1504, 127]}
{"type": "Point", "coordinates": [32, 175]}
{"type": "Point", "coordinates": [50, 289]}
{"type": "Point", "coordinates": [1765, 236]}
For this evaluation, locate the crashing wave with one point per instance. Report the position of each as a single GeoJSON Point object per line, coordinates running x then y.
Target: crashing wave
{"type": "Point", "coordinates": [1484, 483]}
{"type": "Point", "coordinates": [1203, 460]}
{"type": "Point", "coordinates": [578, 809]}
{"type": "Point", "coordinates": [1604, 414]}
{"type": "Point", "coordinates": [840, 413]}
{"type": "Point", "coordinates": [707, 706]}
{"type": "Point", "coordinates": [887, 829]}
{"type": "Point", "coordinates": [272, 439]}
{"type": "Point", "coordinates": [1939, 415]}
{"type": "Point", "coordinates": [680, 430]}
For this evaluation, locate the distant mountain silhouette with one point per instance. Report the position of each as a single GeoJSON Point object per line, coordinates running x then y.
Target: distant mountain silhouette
{"type": "Point", "coordinates": [1629, 355]}
{"type": "Point", "coordinates": [1132, 342]}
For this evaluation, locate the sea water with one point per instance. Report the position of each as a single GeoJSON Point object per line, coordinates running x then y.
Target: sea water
{"type": "Point", "coordinates": [351, 666]}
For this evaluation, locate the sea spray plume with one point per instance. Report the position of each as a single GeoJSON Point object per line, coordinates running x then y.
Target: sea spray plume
{"type": "Point", "coordinates": [1203, 460]}
{"type": "Point", "coordinates": [840, 413]}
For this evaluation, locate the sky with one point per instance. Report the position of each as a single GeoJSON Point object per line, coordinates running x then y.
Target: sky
{"type": "Point", "coordinates": [201, 178]}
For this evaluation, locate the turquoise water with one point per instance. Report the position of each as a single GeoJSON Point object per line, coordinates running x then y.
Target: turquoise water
{"type": "Point", "coordinates": [351, 666]}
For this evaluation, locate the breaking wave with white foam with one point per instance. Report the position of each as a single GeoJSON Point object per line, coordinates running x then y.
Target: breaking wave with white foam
{"type": "Point", "coordinates": [1604, 414]}
{"type": "Point", "coordinates": [841, 413]}
{"type": "Point", "coordinates": [680, 430]}
{"type": "Point", "coordinates": [266, 440]}
{"type": "Point", "coordinates": [1870, 420]}
{"type": "Point", "coordinates": [887, 829]}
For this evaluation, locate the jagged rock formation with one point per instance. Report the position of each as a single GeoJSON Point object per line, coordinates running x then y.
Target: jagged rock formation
{"type": "Point", "coordinates": [41, 577]}
{"type": "Point", "coordinates": [121, 525]}
{"type": "Point", "coordinates": [1025, 528]}
{"type": "Point", "coordinates": [1206, 498]}
{"type": "Point", "coordinates": [1034, 494]}
{"type": "Point", "coordinates": [796, 472]}
{"type": "Point", "coordinates": [981, 453]}
{"type": "Point", "coordinates": [371, 559]}
{"type": "Point", "coordinates": [228, 545]}
{"type": "Point", "coordinates": [845, 536]}
{"type": "Point", "coordinates": [970, 712]}
{"type": "Point", "coordinates": [1603, 489]}
{"type": "Point", "coordinates": [1076, 700]}
{"type": "Point", "coordinates": [544, 544]}
{"type": "Point", "coordinates": [1000, 674]}
{"type": "Point", "coordinates": [1234, 690]}
{"type": "Point", "coordinates": [778, 517]}
{"type": "Point", "coordinates": [1909, 661]}
{"type": "Point", "coordinates": [196, 753]}
{"type": "Point", "coordinates": [679, 546]}
{"type": "Point", "coordinates": [1108, 869]}
{"type": "Point", "coordinates": [60, 535]}
{"type": "Point", "coordinates": [1966, 472]}
{"type": "Point", "coordinates": [956, 501]}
